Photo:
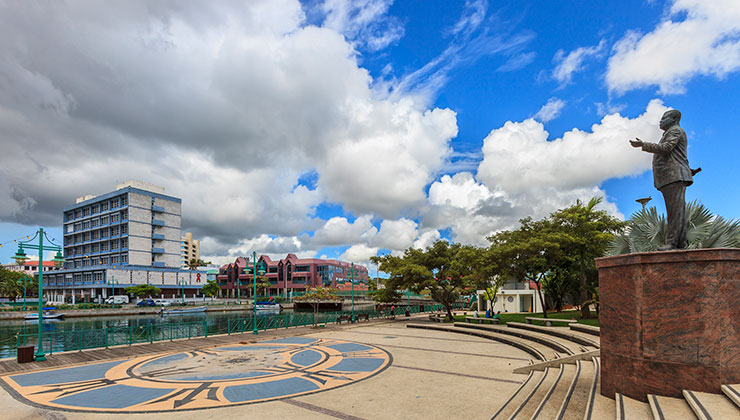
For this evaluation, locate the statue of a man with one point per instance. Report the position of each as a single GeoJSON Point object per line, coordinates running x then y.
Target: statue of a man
{"type": "Point", "coordinates": [671, 175]}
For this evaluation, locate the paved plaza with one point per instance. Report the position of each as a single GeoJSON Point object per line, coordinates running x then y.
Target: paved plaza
{"type": "Point", "coordinates": [378, 370]}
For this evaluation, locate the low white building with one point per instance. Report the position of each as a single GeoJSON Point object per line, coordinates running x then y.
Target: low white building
{"type": "Point", "coordinates": [513, 297]}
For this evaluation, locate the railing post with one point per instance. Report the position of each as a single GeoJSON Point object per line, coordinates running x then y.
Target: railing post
{"type": "Point", "coordinates": [106, 337]}
{"type": "Point", "coordinates": [205, 328]}
{"type": "Point", "coordinates": [151, 336]}
{"type": "Point", "coordinates": [79, 340]}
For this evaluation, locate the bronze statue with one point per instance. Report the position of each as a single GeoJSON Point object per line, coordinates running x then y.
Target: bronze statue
{"type": "Point", "coordinates": [671, 175]}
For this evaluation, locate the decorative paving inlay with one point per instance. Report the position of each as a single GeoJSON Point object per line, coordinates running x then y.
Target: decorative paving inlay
{"type": "Point", "coordinates": [215, 377]}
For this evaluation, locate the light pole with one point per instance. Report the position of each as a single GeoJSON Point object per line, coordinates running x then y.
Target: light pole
{"type": "Point", "coordinates": [352, 279]}
{"type": "Point", "coordinates": [644, 201]}
{"type": "Point", "coordinates": [182, 285]}
{"type": "Point", "coordinates": [112, 282]}
{"type": "Point", "coordinates": [254, 284]}
{"type": "Point", "coordinates": [58, 259]}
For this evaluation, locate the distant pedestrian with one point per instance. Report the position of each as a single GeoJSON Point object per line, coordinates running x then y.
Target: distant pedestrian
{"type": "Point", "coordinates": [475, 314]}
{"type": "Point", "coordinates": [498, 315]}
{"type": "Point", "coordinates": [488, 313]}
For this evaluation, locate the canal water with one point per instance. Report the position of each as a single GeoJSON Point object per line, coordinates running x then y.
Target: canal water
{"type": "Point", "coordinates": [217, 323]}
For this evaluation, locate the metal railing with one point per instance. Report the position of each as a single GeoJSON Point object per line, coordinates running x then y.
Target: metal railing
{"type": "Point", "coordinates": [77, 340]}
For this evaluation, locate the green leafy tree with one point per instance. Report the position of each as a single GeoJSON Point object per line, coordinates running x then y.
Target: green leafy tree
{"type": "Point", "coordinates": [11, 284]}
{"type": "Point", "coordinates": [560, 283]}
{"type": "Point", "coordinates": [385, 295]}
{"type": "Point", "coordinates": [211, 288]}
{"type": "Point", "coordinates": [584, 234]}
{"type": "Point", "coordinates": [195, 263]}
{"type": "Point", "coordinates": [528, 253]}
{"type": "Point", "coordinates": [143, 290]}
{"type": "Point", "coordinates": [443, 270]}
{"type": "Point", "coordinates": [316, 295]}
{"type": "Point", "coordinates": [646, 231]}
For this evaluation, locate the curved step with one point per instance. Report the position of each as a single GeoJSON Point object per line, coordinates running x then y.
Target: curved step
{"type": "Point", "coordinates": [668, 408]}
{"type": "Point", "coordinates": [527, 410]}
{"type": "Point", "coordinates": [526, 335]}
{"type": "Point", "coordinates": [588, 329]}
{"type": "Point", "coordinates": [708, 406]}
{"type": "Point", "coordinates": [732, 392]}
{"type": "Point", "coordinates": [549, 407]}
{"type": "Point", "coordinates": [574, 405]}
{"type": "Point", "coordinates": [631, 409]}
{"type": "Point", "coordinates": [517, 398]}
{"type": "Point", "coordinates": [557, 332]}
{"type": "Point", "coordinates": [590, 411]}
{"type": "Point", "coordinates": [535, 352]}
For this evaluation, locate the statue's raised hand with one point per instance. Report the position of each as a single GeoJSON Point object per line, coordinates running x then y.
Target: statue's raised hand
{"type": "Point", "coordinates": [636, 142]}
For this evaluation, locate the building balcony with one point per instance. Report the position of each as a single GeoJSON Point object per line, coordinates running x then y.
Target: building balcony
{"type": "Point", "coordinates": [158, 209]}
{"type": "Point", "coordinates": [157, 236]}
{"type": "Point", "coordinates": [156, 222]}
{"type": "Point", "coordinates": [157, 250]}
{"type": "Point", "coordinates": [157, 264]}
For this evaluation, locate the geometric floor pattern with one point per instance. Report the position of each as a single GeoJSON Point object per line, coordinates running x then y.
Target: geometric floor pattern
{"type": "Point", "coordinates": [215, 377]}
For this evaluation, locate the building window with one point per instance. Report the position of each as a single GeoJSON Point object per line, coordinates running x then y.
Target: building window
{"type": "Point", "coordinates": [94, 222]}
{"type": "Point", "coordinates": [104, 220]}
{"type": "Point", "coordinates": [124, 229]}
{"type": "Point", "coordinates": [114, 259]}
{"type": "Point", "coordinates": [104, 246]}
{"type": "Point", "coordinates": [124, 258]}
{"type": "Point", "coordinates": [114, 231]}
{"type": "Point", "coordinates": [114, 203]}
{"type": "Point", "coordinates": [78, 227]}
{"type": "Point", "coordinates": [124, 243]}
{"type": "Point", "coordinates": [87, 236]}
{"type": "Point", "coordinates": [78, 214]}
{"type": "Point", "coordinates": [86, 224]}
{"type": "Point", "coordinates": [86, 262]}
{"type": "Point", "coordinates": [124, 200]}
{"type": "Point", "coordinates": [302, 268]}
{"type": "Point", "coordinates": [86, 211]}
{"type": "Point", "coordinates": [104, 206]}
{"type": "Point", "coordinates": [114, 218]}
{"type": "Point", "coordinates": [94, 247]}
{"type": "Point", "coordinates": [95, 261]}
{"type": "Point", "coordinates": [95, 235]}
{"type": "Point", "coordinates": [98, 277]}
{"type": "Point", "coordinates": [124, 215]}
{"type": "Point", "coordinates": [96, 209]}
{"type": "Point", "coordinates": [114, 244]}
{"type": "Point", "coordinates": [104, 233]}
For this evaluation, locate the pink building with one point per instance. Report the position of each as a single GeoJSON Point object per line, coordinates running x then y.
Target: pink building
{"type": "Point", "coordinates": [292, 274]}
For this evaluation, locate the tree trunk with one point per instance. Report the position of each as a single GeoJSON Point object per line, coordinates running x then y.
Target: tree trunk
{"type": "Point", "coordinates": [542, 301]}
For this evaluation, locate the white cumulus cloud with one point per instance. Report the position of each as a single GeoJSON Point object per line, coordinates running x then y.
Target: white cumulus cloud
{"type": "Point", "coordinates": [697, 37]}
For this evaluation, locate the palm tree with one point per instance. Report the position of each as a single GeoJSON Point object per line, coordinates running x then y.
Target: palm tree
{"type": "Point", "coordinates": [646, 231]}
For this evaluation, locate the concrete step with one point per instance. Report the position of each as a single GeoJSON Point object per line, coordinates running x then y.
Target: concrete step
{"type": "Point", "coordinates": [519, 396]}
{"type": "Point", "coordinates": [708, 406]}
{"type": "Point", "coordinates": [588, 329]}
{"type": "Point", "coordinates": [574, 405]}
{"type": "Point", "coordinates": [560, 332]}
{"type": "Point", "coordinates": [590, 412]}
{"type": "Point", "coordinates": [539, 351]}
{"type": "Point", "coordinates": [559, 345]}
{"type": "Point", "coordinates": [732, 392]}
{"type": "Point", "coordinates": [557, 362]}
{"type": "Point", "coordinates": [549, 407]}
{"type": "Point", "coordinates": [668, 408]}
{"type": "Point", "coordinates": [528, 409]}
{"type": "Point", "coordinates": [630, 409]}
{"type": "Point", "coordinates": [603, 408]}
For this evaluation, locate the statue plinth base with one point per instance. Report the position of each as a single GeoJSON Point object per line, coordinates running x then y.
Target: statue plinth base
{"type": "Point", "coordinates": [669, 321]}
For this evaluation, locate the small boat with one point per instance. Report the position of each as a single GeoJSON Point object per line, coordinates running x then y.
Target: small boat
{"type": "Point", "coordinates": [183, 311]}
{"type": "Point", "coordinates": [268, 306]}
{"type": "Point", "coordinates": [46, 315]}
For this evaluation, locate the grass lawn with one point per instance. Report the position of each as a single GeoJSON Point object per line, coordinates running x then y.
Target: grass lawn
{"type": "Point", "coordinates": [559, 315]}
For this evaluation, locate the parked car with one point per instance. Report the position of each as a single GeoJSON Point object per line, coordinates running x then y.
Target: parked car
{"type": "Point", "coordinates": [162, 302]}
{"type": "Point", "coordinates": [146, 302]}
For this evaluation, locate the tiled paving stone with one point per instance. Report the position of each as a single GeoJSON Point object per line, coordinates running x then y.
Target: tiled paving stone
{"type": "Point", "coordinates": [216, 377]}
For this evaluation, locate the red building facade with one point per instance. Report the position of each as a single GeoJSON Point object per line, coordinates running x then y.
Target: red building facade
{"type": "Point", "coordinates": [291, 274]}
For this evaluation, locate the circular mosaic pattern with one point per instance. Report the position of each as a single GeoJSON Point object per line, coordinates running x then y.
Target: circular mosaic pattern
{"type": "Point", "coordinates": [213, 377]}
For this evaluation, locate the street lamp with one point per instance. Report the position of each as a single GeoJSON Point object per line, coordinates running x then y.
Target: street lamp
{"type": "Point", "coordinates": [352, 279]}
{"type": "Point", "coordinates": [254, 284]}
{"type": "Point", "coordinates": [644, 201]}
{"type": "Point", "coordinates": [58, 259]}
{"type": "Point", "coordinates": [112, 282]}
{"type": "Point", "coordinates": [182, 284]}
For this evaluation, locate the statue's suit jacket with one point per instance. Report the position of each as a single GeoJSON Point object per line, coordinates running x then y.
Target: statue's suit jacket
{"type": "Point", "coordinates": [670, 163]}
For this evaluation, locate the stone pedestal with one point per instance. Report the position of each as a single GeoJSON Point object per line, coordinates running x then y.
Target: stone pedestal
{"type": "Point", "coordinates": [669, 321]}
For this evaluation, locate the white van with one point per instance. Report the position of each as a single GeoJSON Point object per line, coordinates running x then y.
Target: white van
{"type": "Point", "coordinates": [162, 302]}
{"type": "Point", "coordinates": [117, 300]}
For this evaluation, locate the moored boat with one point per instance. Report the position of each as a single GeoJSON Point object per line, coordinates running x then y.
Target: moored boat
{"type": "Point", "coordinates": [268, 306]}
{"type": "Point", "coordinates": [182, 311]}
{"type": "Point", "coordinates": [47, 314]}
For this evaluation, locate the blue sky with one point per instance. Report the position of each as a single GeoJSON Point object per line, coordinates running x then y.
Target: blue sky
{"type": "Point", "coordinates": [344, 129]}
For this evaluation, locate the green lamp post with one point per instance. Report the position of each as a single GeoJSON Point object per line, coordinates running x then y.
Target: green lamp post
{"type": "Point", "coordinates": [181, 283]}
{"type": "Point", "coordinates": [58, 259]}
{"type": "Point", "coordinates": [352, 279]}
{"type": "Point", "coordinates": [112, 283]}
{"type": "Point", "coordinates": [254, 284]}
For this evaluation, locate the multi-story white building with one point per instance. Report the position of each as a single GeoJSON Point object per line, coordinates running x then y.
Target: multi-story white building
{"type": "Point", "coordinates": [189, 249]}
{"type": "Point", "coordinates": [31, 268]}
{"type": "Point", "coordinates": [123, 238]}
